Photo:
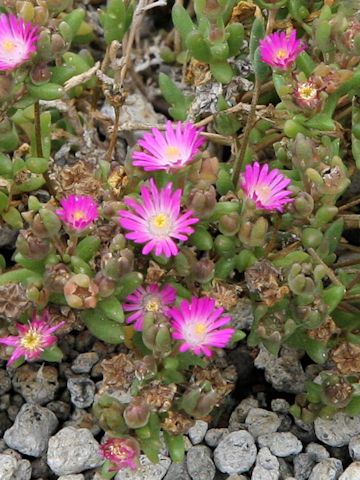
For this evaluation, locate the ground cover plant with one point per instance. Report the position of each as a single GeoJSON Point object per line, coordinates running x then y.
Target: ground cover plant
{"type": "Point", "coordinates": [146, 225]}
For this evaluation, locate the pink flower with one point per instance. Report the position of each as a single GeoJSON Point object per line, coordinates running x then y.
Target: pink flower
{"type": "Point", "coordinates": [170, 150]}
{"type": "Point", "coordinates": [33, 338]}
{"type": "Point", "coordinates": [266, 188]}
{"type": "Point", "coordinates": [156, 220]}
{"type": "Point", "coordinates": [279, 50]}
{"type": "Point", "coordinates": [122, 452]}
{"type": "Point", "coordinates": [78, 212]}
{"type": "Point", "coordinates": [197, 324]}
{"type": "Point", "coordinates": [18, 41]}
{"type": "Point", "coordinates": [149, 299]}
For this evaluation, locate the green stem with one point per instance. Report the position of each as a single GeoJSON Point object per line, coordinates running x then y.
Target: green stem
{"type": "Point", "coordinates": [239, 160]}
{"type": "Point", "coordinates": [39, 150]}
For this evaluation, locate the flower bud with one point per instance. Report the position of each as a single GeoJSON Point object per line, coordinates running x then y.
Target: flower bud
{"type": "Point", "coordinates": [25, 10]}
{"type": "Point", "coordinates": [115, 265]}
{"type": "Point", "coordinates": [40, 73]}
{"type": "Point", "coordinates": [229, 224]}
{"type": "Point", "coordinates": [209, 170]}
{"type": "Point", "coordinates": [57, 44]}
{"type": "Point", "coordinates": [117, 243]}
{"type": "Point", "coordinates": [258, 232]}
{"type": "Point", "coordinates": [136, 415]}
{"type": "Point", "coordinates": [205, 404]}
{"type": "Point", "coordinates": [203, 270]}
{"type": "Point", "coordinates": [81, 292]}
{"type": "Point", "coordinates": [225, 246]}
{"type": "Point", "coordinates": [32, 247]}
{"type": "Point", "coordinates": [41, 15]}
{"type": "Point", "coordinates": [106, 285]}
{"type": "Point", "coordinates": [55, 277]}
{"type": "Point", "coordinates": [303, 204]}
{"type": "Point", "coordinates": [202, 202]}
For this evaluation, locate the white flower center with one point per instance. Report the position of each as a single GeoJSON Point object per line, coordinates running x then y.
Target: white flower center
{"type": "Point", "coordinates": [13, 51]}
{"type": "Point", "coordinates": [263, 193]}
{"type": "Point", "coordinates": [306, 91]}
{"type": "Point", "coordinates": [281, 53]}
{"type": "Point", "coordinates": [195, 332]}
{"type": "Point", "coordinates": [152, 304]}
{"type": "Point", "coordinates": [173, 154]}
{"type": "Point", "coordinates": [31, 340]}
{"type": "Point", "coordinates": [160, 225]}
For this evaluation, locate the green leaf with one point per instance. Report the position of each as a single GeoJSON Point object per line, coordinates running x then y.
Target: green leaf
{"type": "Point", "coordinates": [103, 328]}
{"type": "Point", "coordinates": [290, 258]}
{"type": "Point", "coordinates": [353, 407]}
{"type": "Point", "coordinates": [332, 296]}
{"type": "Point", "coordinates": [316, 350]}
{"type": "Point", "coordinates": [52, 354]}
{"type": "Point", "coordinates": [176, 447]}
{"type": "Point", "coordinates": [257, 33]}
{"type": "Point", "coordinates": [112, 308]}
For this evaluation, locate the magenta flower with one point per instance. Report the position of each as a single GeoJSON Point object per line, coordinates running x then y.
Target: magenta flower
{"type": "Point", "coordinates": [121, 452]}
{"type": "Point", "coordinates": [18, 41]}
{"type": "Point", "coordinates": [78, 212]}
{"type": "Point", "coordinates": [170, 150]}
{"type": "Point", "coordinates": [33, 338]}
{"type": "Point", "coordinates": [197, 324]}
{"type": "Point", "coordinates": [266, 188]}
{"type": "Point", "coordinates": [279, 50]}
{"type": "Point", "coordinates": [149, 299]}
{"type": "Point", "coordinates": [156, 220]}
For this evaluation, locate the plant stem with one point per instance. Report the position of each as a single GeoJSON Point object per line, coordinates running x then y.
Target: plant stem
{"type": "Point", "coordinates": [329, 272]}
{"type": "Point", "coordinates": [39, 150]}
{"type": "Point", "coordinates": [114, 135]}
{"type": "Point", "coordinates": [239, 160]}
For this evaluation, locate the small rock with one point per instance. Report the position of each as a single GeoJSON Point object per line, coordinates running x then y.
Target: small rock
{"type": "Point", "coordinates": [5, 423]}
{"type": "Point", "coordinates": [352, 472]}
{"type": "Point", "coordinates": [13, 469]}
{"type": "Point", "coordinates": [5, 382]}
{"type": "Point", "coordinates": [36, 384]}
{"type": "Point", "coordinates": [281, 444]}
{"type": "Point", "coordinates": [84, 362]}
{"type": "Point", "coordinates": [31, 431]}
{"type": "Point", "coordinates": [285, 373]}
{"type": "Point", "coordinates": [354, 448]}
{"type": "Point", "coordinates": [243, 314]}
{"type": "Point", "coordinates": [198, 431]}
{"type": "Point", "coordinates": [304, 432]}
{"type": "Point", "coordinates": [285, 468]}
{"type": "Point", "coordinates": [40, 468]}
{"type": "Point", "coordinates": [199, 463]}
{"type": "Point", "coordinates": [317, 452]}
{"type": "Point", "coordinates": [7, 235]}
{"type": "Point", "coordinates": [79, 476]}
{"type": "Point", "coordinates": [329, 469]}
{"type": "Point", "coordinates": [82, 391]}
{"type": "Point", "coordinates": [61, 409]}
{"type": "Point", "coordinates": [214, 435]}
{"type": "Point", "coordinates": [83, 419]}
{"type": "Point", "coordinates": [280, 405]}
{"type": "Point", "coordinates": [236, 452]}
{"type": "Point", "coordinates": [147, 470]}
{"type": "Point", "coordinates": [73, 450]}
{"type": "Point", "coordinates": [260, 421]}
{"type": "Point", "coordinates": [303, 466]}
{"type": "Point", "coordinates": [238, 416]}
{"type": "Point", "coordinates": [337, 431]}
{"type": "Point", "coordinates": [237, 477]}
{"type": "Point", "coordinates": [177, 471]}
{"type": "Point", "coordinates": [266, 467]}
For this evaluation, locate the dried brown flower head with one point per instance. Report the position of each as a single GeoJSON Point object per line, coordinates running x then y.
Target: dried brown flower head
{"type": "Point", "coordinates": [263, 278]}
{"type": "Point", "coordinates": [177, 423]}
{"type": "Point", "coordinates": [159, 397]}
{"type": "Point", "coordinates": [118, 372]}
{"type": "Point", "coordinates": [13, 300]}
{"type": "Point", "coordinates": [325, 331]}
{"type": "Point", "coordinates": [222, 385]}
{"type": "Point", "coordinates": [225, 294]}
{"type": "Point", "coordinates": [78, 179]}
{"type": "Point", "coordinates": [346, 358]}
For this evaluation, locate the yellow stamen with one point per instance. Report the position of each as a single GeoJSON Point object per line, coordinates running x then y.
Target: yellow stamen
{"type": "Point", "coordinates": [31, 340]}
{"type": "Point", "coordinates": [160, 220]}
{"type": "Point", "coordinates": [172, 151]}
{"type": "Point", "coordinates": [79, 215]}
{"type": "Point", "coordinates": [152, 306]}
{"type": "Point", "coordinates": [8, 45]}
{"type": "Point", "coordinates": [307, 91]}
{"type": "Point", "coordinates": [281, 53]}
{"type": "Point", "coordinates": [200, 328]}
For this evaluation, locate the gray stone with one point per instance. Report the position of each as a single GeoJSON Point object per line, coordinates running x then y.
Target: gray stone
{"type": "Point", "coordinates": [198, 431]}
{"type": "Point", "coordinates": [238, 416]}
{"type": "Point", "coordinates": [61, 409]}
{"type": "Point", "coordinates": [329, 469]}
{"type": "Point", "coordinates": [337, 431]}
{"type": "Point", "coordinates": [84, 362]}
{"type": "Point", "coordinates": [236, 452]}
{"type": "Point", "coordinates": [266, 467]}
{"type": "Point", "coordinates": [83, 419]}
{"type": "Point", "coordinates": [285, 468]}
{"type": "Point", "coordinates": [354, 448]}
{"type": "Point", "coordinates": [199, 464]}
{"type": "Point", "coordinates": [82, 391]}
{"type": "Point", "coordinates": [78, 476]}
{"type": "Point", "coordinates": [214, 435]}
{"type": "Point", "coordinates": [285, 373]}
{"type": "Point", "coordinates": [352, 472]}
{"type": "Point", "coordinates": [36, 384]}
{"type": "Point", "coordinates": [260, 421]}
{"type": "Point", "coordinates": [318, 452]}
{"type": "Point", "coordinates": [13, 469]}
{"type": "Point", "coordinates": [5, 382]}
{"type": "Point", "coordinates": [242, 315]}
{"type": "Point", "coordinates": [7, 235]}
{"type": "Point", "coordinates": [73, 450]}
{"type": "Point", "coordinates": [303, 465]}
{"type": "Point", "coordinates": [177, 471]}
{"type": "Point", "coordinates": [281, 444]}
{"type": "Point", "coordinates": [31, 431]}
{"type": "Point", "coordinates": [147, 470]}
{"type": "Point", "coordinates": [280, 405]}
{"type": "Point", "coordinates": [237, 477]}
